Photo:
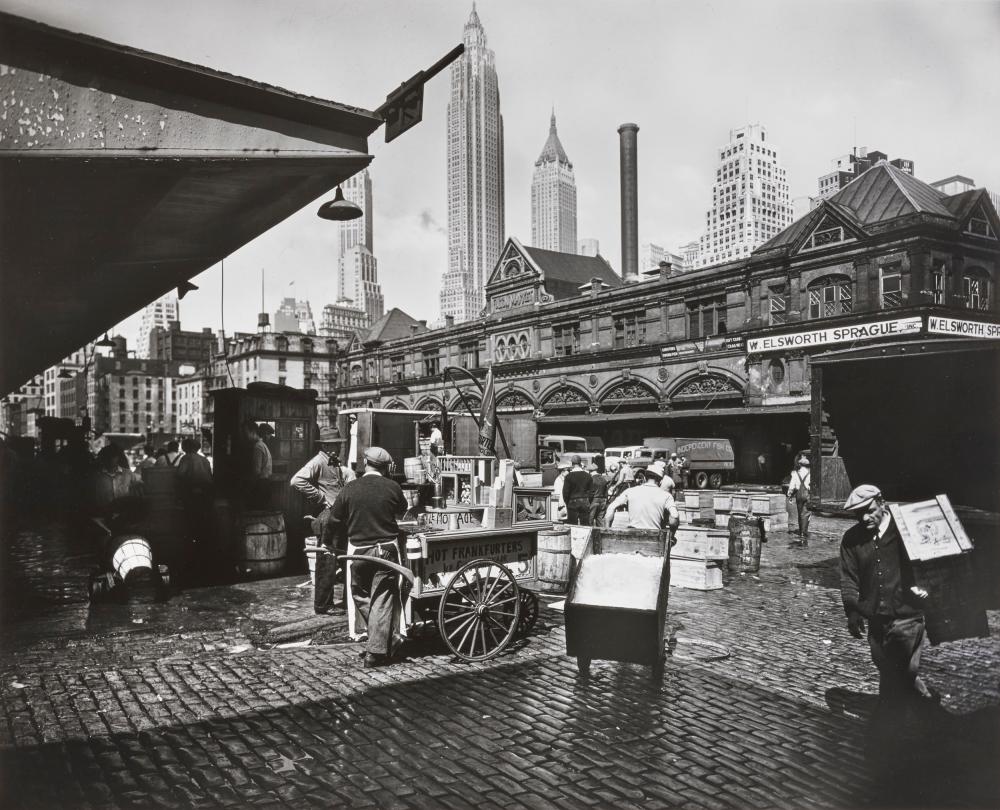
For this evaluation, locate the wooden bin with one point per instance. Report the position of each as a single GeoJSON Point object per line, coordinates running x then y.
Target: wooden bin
{"type": "Point", "coordinates": [554, 558]}
{"type": "Point", "coordinates": [619, 630]}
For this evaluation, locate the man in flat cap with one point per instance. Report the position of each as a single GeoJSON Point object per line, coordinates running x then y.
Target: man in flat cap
{"type": "Point", "coordinates": [366, 512]}
{"type": "Point", "coordinates": [877, 585]}
{"type": "Point", "coordinates": [320, 481]}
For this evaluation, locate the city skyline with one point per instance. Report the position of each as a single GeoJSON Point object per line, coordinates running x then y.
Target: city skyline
{"type": "Point", "coordinates": [816, 79]}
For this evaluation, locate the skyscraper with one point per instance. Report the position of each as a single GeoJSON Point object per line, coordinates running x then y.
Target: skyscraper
{"type": "Point", "coordinates": [553, 197]}
{"type": "Point", "coordinates": [357, 267]}
{"type": "Point", "coordinates": [475, 176]}
{"type": "Point", "coordinates": [750, 202]}
{"type": "Point", "coordinates": [847, 167]}
{"type": "Point", "coordinates": [158, 313]}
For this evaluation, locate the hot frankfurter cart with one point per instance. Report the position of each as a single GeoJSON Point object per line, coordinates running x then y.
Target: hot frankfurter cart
{"type": "Point", "coordinates": [470, 567]}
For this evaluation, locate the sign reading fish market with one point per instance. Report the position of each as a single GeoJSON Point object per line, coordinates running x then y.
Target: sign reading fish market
{"type": "Point", "coordinates": [836, 334]}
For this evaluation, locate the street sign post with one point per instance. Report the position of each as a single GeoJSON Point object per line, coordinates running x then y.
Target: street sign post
{"type": "Point", "coordinates": [404, 106]}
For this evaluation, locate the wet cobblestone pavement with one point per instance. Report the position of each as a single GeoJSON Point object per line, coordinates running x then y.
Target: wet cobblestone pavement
{"type": "Point", "coordinates": [764, 703]}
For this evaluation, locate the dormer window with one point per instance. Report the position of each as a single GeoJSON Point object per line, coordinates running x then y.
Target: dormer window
{"type": "Point", "coordinates": [979, 225]}
{"type": "Point", "coordinates": [827, 236]}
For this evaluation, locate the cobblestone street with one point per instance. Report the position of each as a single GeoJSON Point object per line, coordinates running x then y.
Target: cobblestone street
{"type": "Point", "coordinates": [764, 703]}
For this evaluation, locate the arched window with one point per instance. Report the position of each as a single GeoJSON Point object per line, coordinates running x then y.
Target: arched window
{"type": "Point", "coordinates": [976, 286]}
{"type": "Point", "coordinates": [829, 296]}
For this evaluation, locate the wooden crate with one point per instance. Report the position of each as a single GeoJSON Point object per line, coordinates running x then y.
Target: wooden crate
{"type": "Point", "coordinates": [721, 519]}
{"type": "Point", "coordinates": [722, 501]}
{"type": "Point", "coordinates": [695, 573]}
{"type": "Point", "coordinates": [701, 542]}
{"type": "Point", "coordinates": [768, 503]}
{"type": "Point", "coordinates": [688, 514]}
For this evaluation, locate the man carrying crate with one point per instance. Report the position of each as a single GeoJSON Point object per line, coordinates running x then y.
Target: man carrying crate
{"type": "Point", "coordinates": [877, 585]}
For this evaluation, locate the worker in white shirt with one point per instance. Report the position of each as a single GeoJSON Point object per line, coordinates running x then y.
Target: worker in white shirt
{"type": "Point", "coordinates": [649, 506]}
{"type": "Point", "coordinates": [798, 489]}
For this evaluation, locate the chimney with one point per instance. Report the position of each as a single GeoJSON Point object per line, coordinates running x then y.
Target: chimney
{"type": "Point", "coordinates": [449, 321]}
{"type": "Point", "coordinates": [423, 325]}
{"type": "Point", "coordinates": [628, 136]}
{"type": "Point", "coordinates": [666, 268]}
{"type": "Point", "coordinates": [120, 350]}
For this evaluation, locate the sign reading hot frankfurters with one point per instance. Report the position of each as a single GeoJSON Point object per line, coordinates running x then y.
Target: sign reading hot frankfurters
{"type": "Point", "coordinates": [963, 328]}
{"type": "Point", "coordinates": [836, 334]}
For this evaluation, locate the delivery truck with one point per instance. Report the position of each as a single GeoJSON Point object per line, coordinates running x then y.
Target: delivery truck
{"type": "Point", "coordinates": [712, 461]}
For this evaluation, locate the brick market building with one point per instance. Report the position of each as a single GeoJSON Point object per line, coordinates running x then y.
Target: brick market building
{"type": "Point", "coordinates": [890, 281]}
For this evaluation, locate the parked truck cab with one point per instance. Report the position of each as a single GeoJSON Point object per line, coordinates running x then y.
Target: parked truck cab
{"type": "Point", "coordinates": [711, 461]}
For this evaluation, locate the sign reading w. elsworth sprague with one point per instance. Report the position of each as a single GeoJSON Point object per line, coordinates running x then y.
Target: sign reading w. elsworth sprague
{"type": "Point", "coordinates": [836, 334]}
{"type": "Point", "coordinates": [963, 328]}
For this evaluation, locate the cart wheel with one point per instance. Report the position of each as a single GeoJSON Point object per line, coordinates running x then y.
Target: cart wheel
{"type": "Point", "coordinates": [479, 610]}
{"type": "Point", "coordinates": [529, 613]}
{"type": "Point", "coordinates": [583, 664]}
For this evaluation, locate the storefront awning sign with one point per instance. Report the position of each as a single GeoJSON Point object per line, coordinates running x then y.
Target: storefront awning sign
{"type": "Point", "coordinates": [962, 328]}
{"type": "Point", "coordinates": [836, 334]}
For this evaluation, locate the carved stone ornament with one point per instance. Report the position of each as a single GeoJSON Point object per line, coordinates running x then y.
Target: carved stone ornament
{"type": "Point", "coordinates": [536, 386]}
{"type": "Point", "coordinates": [630, 390]}
{"type": "Point", "coordinates": [662, 374]}
{"type": "Point", "coordinates": [514, 401]}
{"type": "Point", "coordinates": [708, 385]}
{"type": "Point", "coordinates": [594, 408]}
{"type": "Point", "coordinates": [593, 380]}
{"type": "Point", "coordinates": [627, 373]}
{"type": "Point", "coordinates": [566, 396]}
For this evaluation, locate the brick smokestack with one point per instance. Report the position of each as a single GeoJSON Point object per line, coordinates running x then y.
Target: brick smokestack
{"type": "Point", "coordinates": [628, 136]}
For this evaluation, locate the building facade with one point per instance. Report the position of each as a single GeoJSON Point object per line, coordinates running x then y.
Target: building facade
{"type": "Point", "coordinates": [177, 346]}
{"type": "Point", "coordinates": [294, 316]}
{"type": "Point", "coordinates": [158, 313]}
{"type": "Point", "coordinates": [358, 282]}
{"type": "Point", "coordinates": [588, 247]}
{"type": "Point", "coordinates": [341, 320]}
{"type": "Point", "coordinates": [889, 276]}
{"type": "Point", "coordinates": [553, 197]}
{"type": "Point", "coordinates": [54, 376]}
{"type": "Point", "coordinates": [846, 167]}
{"type": "Point", "coordinates": [360, 231]}
{"type": "Point", "coordinates": [475, 174]}
{"type": "Point", "coordinates": [750, 200]}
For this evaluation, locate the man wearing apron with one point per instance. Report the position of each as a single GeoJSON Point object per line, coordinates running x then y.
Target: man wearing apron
{"type": "Point", "coordinates": [366, 511]}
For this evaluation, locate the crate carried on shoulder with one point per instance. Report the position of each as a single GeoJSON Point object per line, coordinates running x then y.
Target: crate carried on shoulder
{"type": "Point", "coordinates": [941, 556]}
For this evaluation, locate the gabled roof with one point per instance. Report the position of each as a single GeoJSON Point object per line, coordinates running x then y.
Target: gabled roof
{"type": "Point", "coordinates": [565, 272]}
{"type": "Point", "coordinates": [393, 325]}
{"type": "Point", "coordinates": [884, 192]}
{"type": "Point", "coordinates": [962, 204]}
{"type": "Point", "coordinates": [553, 150]}
{"type": "Point", "coordinates": [879, 195]}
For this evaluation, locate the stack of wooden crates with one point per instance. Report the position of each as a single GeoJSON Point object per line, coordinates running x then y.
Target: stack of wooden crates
{"type": "Point", "coordinates": [767, 505]}
{"type": "Point", "coordinates": [696, 505]}
{"type": "Point", "coordinates": [697, 558]}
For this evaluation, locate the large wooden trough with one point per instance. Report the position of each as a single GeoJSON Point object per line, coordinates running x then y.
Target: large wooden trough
{"type": "Point", "coordinates": [616, 606]}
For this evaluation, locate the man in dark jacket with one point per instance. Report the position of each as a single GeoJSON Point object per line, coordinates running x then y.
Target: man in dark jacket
{"type": "Point", "coordinates": [578, 491]}
{"type": "Point", "coordinates": [366, 511]}
{"type": "Point", "coordinates": [877, 586]}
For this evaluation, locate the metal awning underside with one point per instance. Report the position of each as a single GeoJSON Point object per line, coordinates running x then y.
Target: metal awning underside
{"type": "Point", "coordinates": [123, 173]}
{"type": "Point", "coordinates": [705, 413]}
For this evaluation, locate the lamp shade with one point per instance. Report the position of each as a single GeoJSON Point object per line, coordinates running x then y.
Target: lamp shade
{"type": "Point", "coordinates": [338, 209]}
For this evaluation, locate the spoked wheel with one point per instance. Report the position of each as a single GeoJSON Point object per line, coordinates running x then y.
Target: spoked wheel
{"type": "Point", "coordinates": [529, 613]}
{"type": "Point", "coordinates": [715, 480]}
{"type": "Point", "coordinates": [479, 610]}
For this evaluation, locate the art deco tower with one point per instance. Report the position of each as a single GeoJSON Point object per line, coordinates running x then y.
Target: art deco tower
{"type": "Point", "coordinates": [750, 202]}
{"type": "Point", "coordinates": [357, 267]}
{"type": "Point", "coordinates": [475, 176]}
{"type": "Point", "coordinates": [553, 197]}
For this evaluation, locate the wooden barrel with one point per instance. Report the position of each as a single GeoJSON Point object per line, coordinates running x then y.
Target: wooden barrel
{"type": "Point", "coordinates": [413, 470]}
{"type": "Point", "coordinates": [554, 547]}
{"type": "Point", "coordinates": [264, 545]}
{"type": "Point", "coordinates": [745, 535]}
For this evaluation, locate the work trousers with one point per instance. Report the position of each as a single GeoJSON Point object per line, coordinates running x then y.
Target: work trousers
{"type": "Point", "coordinates": [578, 512]}
{"type": "Point", "coordinates": [895, 645]}
{"type": "Point", "coordinates": [375, 591]}
{"type": "Point", "coordinates": [802, 508]}
{"type": "Point", "coordinates": [597, 509]}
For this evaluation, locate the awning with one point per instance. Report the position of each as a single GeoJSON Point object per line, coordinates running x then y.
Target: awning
{"type": "Point", "coordinates": [897, 349]}
{"type": "Point", "coordinates": [123, 173]}
{"type": "Point", "coordinates": [798, 407]}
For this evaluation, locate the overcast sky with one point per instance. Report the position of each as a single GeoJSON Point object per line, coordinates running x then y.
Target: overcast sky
{"type": "Point", "coordinates": [913, 79]}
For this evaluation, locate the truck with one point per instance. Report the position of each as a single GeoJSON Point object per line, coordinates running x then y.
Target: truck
{"type": "Point", "coordinates": [399, 432]}
{"type": "Point", "coordinates": [712, 461]}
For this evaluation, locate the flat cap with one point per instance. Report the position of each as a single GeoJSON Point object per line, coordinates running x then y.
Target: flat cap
{"type": "Point", "coordinates": [329, 434]}
{"type": "Point", "coordinates": [378, 457]}
{"type": "Point", "coordinates": [861, 497]}
{"type": "Point", "coordinates": [805, 461]}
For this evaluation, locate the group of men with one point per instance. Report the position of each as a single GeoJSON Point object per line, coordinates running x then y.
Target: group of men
{"type": "Point", "coordinates": [590, 500]}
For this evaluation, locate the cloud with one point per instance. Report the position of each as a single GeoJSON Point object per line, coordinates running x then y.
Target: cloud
{"type": "Point", "coordinates": [429, 223]}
